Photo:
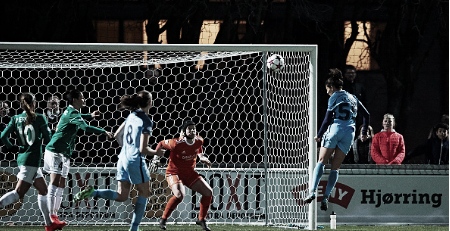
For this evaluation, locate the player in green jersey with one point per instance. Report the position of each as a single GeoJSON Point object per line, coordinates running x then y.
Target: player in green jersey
{"type": "Point", "coordinates": [30, 128]}
{"type": "Point", "coordinates": [59, 150]}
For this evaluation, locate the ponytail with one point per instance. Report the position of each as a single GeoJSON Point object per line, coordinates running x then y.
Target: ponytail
{"type": "Point", "coordinates": [335, 79]}
{"type": "Point", "coordinates": [135, 101]}
{"type": "Point", "coordinates": [26, 101]}
{"type": "Point", "coordinates": [71, 94]}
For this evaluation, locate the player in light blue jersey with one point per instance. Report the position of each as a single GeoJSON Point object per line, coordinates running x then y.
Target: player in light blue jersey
{"type": "Point", "coordinates": [336, 133]}
{"type": "Point", "coordinates": [133, 135]}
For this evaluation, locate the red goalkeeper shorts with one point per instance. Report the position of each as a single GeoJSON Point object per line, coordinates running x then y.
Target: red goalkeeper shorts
{"type": "Point", "coordinates": [188, 178]}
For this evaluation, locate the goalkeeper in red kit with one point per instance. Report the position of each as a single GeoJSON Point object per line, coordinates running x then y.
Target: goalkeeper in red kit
{"type": "Point", "coordinates": [180, 172]}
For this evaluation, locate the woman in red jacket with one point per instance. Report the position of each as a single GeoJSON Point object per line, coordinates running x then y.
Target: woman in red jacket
{"type": "Point", "coordinates": [388, 146]}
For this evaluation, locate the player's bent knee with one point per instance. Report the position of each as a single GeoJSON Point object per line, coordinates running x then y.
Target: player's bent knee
{"type": "Point", "coordinates": [208, 192]}
{"type": "Point", "coordinates": [42, 192]}
{"type": "Point", "coordinates": [21, 195]}
{"type": "Point", "coordinates": [122, 197]}
{"type": "Point", "coordinates": [180, 196]}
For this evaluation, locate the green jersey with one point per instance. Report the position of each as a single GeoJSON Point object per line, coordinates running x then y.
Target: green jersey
{"type": "Point", "coordinates": [63, 141]}
{"type": "Point", "coordinates": [29, 138]}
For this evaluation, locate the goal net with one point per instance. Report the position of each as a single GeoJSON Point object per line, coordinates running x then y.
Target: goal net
{"type": "Point", "coordinates": [258, 126]}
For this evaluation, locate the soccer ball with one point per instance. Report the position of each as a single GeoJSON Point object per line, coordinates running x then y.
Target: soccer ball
{"type": "Point", "coordinates": [275, 62]}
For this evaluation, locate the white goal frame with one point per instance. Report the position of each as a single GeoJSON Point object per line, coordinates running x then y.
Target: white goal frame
{"type": "Point", "coordinates": [265, 49]}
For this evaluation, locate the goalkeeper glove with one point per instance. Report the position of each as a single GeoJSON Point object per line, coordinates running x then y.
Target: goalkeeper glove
{"type": "Point", "coordinates": [154, 164]}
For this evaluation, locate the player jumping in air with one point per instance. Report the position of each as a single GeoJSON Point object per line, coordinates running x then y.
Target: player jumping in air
{"type": "Point", "coordinates": [59, 150]}
{"type": "Point", "coordinates": [180, 172]}
{"type": "Point", "coordinates": [30, 128]}
{"type": "Point", "coordinates": [134, 136]}
{"type": "Point", "coordinates": [339, 124]}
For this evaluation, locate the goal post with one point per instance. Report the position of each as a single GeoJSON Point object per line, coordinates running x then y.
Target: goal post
{"type": "Point", "coordinates": [258, 125]}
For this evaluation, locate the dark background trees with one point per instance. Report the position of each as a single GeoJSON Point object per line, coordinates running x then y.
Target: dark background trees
{"type": "Point", "coordinates": [411, 51]}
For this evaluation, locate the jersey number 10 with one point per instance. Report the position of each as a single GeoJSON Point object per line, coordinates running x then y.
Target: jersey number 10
{"type": "Point", "coordinates": [27, 135]}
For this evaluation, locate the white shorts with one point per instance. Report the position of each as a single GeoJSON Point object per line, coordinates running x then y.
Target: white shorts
{"type": "Point", "coordinates": [56, 163]}
{"type": "Point", "coordinates": [29, 173]}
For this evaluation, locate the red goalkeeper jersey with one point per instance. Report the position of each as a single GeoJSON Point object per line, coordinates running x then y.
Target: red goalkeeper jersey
{"type": "Point", "coordinates": [183, 155]}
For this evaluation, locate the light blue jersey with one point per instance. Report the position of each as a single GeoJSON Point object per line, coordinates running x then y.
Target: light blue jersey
{"type": "Point", "coordinates": [137, 123]}
{"type": "Point", "coordinates": [341, 132]}
{"type": "Point", "coordinates": [131, 166]}
{"type": "Point", "coordinates": [344, 107]}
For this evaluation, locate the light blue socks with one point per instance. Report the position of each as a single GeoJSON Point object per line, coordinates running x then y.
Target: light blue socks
{"type": "Point", "coordinates": [318, 172]}
{"type": "Point", "coordinates": [105, 194]}
{"type": "Point", "coordinates": [139, 210]}
{"type": "Point", "coordinates": [332, 179]}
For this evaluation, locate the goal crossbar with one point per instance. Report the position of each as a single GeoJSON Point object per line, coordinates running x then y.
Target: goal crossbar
{"type": "Point", "coordinates": [250, 116]}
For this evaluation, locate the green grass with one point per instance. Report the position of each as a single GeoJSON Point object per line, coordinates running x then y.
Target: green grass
{"type": "Point", "coordinates": [229, 228]}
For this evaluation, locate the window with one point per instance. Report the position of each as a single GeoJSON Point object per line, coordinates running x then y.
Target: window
{"type": "Point", "coordinates": [359, 55]}
{"type": "Point", "coordinates": [109, 31]}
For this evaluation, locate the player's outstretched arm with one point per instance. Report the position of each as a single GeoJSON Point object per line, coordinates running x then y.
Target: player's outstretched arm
{"type": "Point", "coordinates": [77, 119]}
{"type": "Point", "coordinates": [110, 135]}
{"type": "Point", "coordinates": [95, 114]}
{"type": "Point", "coordinates": [146, 150]}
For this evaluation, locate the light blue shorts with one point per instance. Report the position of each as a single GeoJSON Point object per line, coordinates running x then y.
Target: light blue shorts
{"type": "Point", "coordinates": [133, 172]}
{"type": "Point", "coordinates": [339, 136]}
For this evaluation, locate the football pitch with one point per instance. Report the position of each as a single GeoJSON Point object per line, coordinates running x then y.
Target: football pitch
{"type": "Point", "coordinates": [231, 228]}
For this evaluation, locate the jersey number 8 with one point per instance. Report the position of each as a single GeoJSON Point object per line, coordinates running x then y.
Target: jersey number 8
{"type": "Point", "coordinates": [129, 132]}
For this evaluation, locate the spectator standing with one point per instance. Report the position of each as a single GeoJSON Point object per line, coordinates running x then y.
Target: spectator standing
{"type": "Point", "coordinates": [362, 147]}
{"type": "Point", "coordinates": [53, 112]}
{"type": "Point", "coordinates": [4, 109]}
{"type": "Point", "coordinates": [6, 113]}
{"type": "Point", "coordinates": [444, 119]}
{"type": "Point", "coordinates": [352, 86]}
{"type": "Point", "coordinates": [388, 146]}
{"type": "Point", "coordinates": [435, 149]}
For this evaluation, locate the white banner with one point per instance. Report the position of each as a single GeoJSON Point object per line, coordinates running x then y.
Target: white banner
{"type": "Point", "coordinates": [239, 196]}
{"type": "Point", "coordinates": [382, 199]}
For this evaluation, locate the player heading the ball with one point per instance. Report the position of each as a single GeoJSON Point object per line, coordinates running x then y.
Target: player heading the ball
{"type": "Point", "coordinates": [134, 136]}
{"type": "Point", "coordinates": [336, 133]}
{"type": "Point", "coordinates": [180, 172]}
{"type": "Point", "coordinates": [59, 150]}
